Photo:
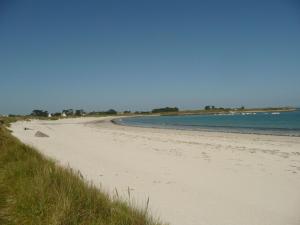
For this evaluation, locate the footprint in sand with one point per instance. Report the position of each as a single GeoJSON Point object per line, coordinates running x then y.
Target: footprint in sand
{"type": "Point", "coordinates": [156, 182]}
{"type": "Point", "coordinates": [170, 182]}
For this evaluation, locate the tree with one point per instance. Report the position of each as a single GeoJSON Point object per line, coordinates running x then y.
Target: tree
{"type": "Point", "coordinates": [166, 109]}
{"type": "Point", "coordinates": [37, 112]}
{"type": "Point", "coordinates": [79, 112]}
{"type": "Point", "coordinates": [207, 107]}
{"type": "Point", "coordinates": [68, 112]}
{"type": "Point", "coordinates": [57, 114]}
{"type": "Point", "coordinates": [111, 112]}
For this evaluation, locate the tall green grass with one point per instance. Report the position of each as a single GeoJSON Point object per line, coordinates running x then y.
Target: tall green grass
{"type": "Point", "coordinates": [35, 190]}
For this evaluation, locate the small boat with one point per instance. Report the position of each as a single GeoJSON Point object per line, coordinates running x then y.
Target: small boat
{"type": "Point", "coordinates": [275, 113]}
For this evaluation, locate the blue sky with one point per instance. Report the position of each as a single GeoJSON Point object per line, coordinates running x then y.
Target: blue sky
{"type": "Point", "coordinates": [139, 55]}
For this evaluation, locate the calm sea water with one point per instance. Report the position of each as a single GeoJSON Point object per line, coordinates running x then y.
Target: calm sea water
{"type": "Point", "coordinates": [285, 123]}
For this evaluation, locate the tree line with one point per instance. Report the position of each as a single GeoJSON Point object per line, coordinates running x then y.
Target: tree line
{"type": "Point", "coordinates": [81, 112]}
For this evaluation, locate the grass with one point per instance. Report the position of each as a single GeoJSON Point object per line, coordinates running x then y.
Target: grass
{"type": "Point", "coordinates": [35, 190]}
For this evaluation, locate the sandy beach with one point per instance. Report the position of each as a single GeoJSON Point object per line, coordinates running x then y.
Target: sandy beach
{"type": "Point", "coordinates": [190, 177]}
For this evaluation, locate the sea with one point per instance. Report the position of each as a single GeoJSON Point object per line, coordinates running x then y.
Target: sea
{"type": "Point", "coordinates": [270, 123]}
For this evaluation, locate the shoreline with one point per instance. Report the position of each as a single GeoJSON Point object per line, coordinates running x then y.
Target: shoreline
{"type": "Point", "coordinates": [233, 130]}
{"type": "Point", "coordinates": [211, 112]}
{"type": "Point", "coordinates": [192, 178]}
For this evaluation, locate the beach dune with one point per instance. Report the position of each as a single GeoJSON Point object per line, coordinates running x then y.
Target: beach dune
{"type": "Point", "coordinates": [190, 177]}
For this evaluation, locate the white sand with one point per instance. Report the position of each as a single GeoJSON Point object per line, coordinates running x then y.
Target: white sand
{"type": "Point", "coordinates": [191, 178]}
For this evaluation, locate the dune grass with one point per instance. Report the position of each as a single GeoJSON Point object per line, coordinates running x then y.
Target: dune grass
{"type": "Point", "coordinates": [35, 190]}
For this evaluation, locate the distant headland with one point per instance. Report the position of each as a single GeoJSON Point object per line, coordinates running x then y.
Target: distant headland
{"type": "Point", "coordinates": [209, 109]}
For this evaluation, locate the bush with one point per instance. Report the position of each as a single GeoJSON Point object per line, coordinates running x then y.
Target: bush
{"type": "Point", "coordinates": [166, 109]}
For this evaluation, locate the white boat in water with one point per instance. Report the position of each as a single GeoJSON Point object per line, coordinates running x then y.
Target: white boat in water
{"type": "Point", "coordinates": [275, 113]}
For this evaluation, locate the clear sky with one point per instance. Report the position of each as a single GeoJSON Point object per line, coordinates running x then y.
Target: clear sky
{"type": "Point", "coordinates": [139, 55]}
